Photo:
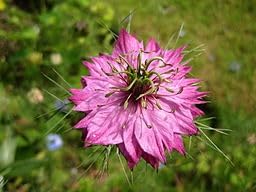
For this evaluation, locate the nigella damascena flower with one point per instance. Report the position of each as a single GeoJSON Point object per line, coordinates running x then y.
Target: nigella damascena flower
{"type": "Point", "coordinates": [140, 99]}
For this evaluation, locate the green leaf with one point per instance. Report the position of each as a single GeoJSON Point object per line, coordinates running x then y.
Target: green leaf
{"type": "Point", "coordinates": [7, 150]}
{"type": "Point", "coordinates": [23, 167]}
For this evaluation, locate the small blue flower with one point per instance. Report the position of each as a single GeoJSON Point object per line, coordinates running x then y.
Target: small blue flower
{"type": "Point", "coordinates": [61, 105]}
{"type": "Point", "coordinates": [234, 66]}
{"type": "Point", "coordinates": [53, 142]}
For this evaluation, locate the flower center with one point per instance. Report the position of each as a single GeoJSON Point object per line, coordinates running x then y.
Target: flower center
{"type": "Point", "coordinates": [141, 82]}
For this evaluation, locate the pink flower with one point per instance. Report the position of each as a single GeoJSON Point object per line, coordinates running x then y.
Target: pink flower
{"type": "Point", "coordinates": [140, 99]}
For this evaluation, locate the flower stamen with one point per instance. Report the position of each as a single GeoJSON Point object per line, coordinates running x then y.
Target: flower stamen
{"type": "Point", "coordinates": [151, 90]}
{"type": "Point", "coordinates": [130, 86]}
{"type": "Point", "coordinates": [129, 65]}
{"type": "Point", "coordinates": [127, 101]}
{"type": "Point", "coordinates": [148, 62]}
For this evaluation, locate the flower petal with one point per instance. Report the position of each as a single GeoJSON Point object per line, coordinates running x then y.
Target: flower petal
{"type": "Point", "coordinates": [152, 46]}
{"type": "Point", "coordinates": [130, 142]}
{"type": "Point", "coordinates": [153, 161]}
{"type": "Point", "coordinates": [105, 127]}
{"type": "Point", "coordinates": [130, 161]}
{"type": "Point", "coordinates": [126, 44]}
{"type": "Point", "coordinates": [148, 138]}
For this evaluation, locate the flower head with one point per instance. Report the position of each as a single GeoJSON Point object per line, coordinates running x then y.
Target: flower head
{"type": "Point", "coordinates": [56, 58]}
{"type": "Point", "coordinates": [35, 96]}
{"type": "Point", "coordinates": [140, 99]}
{"type": "Point", "coordinates": [61, 105]}
{"type": "Point", "coordinates": [53, 142]}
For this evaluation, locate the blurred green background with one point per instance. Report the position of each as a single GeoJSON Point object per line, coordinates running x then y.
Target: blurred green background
{"type": "Point", "coordinates": [42, 41]}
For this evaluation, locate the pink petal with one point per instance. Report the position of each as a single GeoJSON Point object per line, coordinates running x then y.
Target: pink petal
{"type": "Point", "coordinates": [130, 143]}
{"type": "Point", "coordinates": [178, 144]}
{"type": "Point", "coordinates": [78, 96]}
{"type": "Point", "coordinates": [173, 56]}
{"type": "Point", "coordinates": [130, 161]}
{"type": "Point", "coordinates": [147, 139]}
{"type": "Point", "coordinates": [152, 46]}
{"type": "Point", "coordinates": [153, 161]}
{"type": "Point", "coordinates": [106, 126]}
{"type": "Point", "coordinates": [126, 43]}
